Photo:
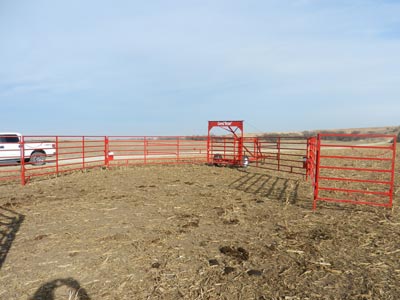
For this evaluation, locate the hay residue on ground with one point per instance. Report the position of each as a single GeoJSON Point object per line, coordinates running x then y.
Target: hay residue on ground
{"type": "Point", "coordinates": [192, 232]}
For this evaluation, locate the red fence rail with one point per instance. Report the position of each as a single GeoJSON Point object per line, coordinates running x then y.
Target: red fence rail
{"type": "Point", "coordinates": [284, 154]}
{"type": "Point", "coordinates": [125, 150]}
{"type": "Point", "coordinates": [85, 152]}
{"type": "Point", "coordinates": [355, 168]}
{"type": "Point", "coordinates": [225, 150]}
{"type": "Point", "coordinates": [344, 168]}
{"type": "Point", "coordinates": [311, 160]}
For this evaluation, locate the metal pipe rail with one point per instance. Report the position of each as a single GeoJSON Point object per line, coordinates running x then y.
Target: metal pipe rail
{"type": "Point", "coordinates": [74, 153]}
{"type": "Point", "coordinates": [355, 172]}
{"type": "Point", "coordinates": [358, 170]}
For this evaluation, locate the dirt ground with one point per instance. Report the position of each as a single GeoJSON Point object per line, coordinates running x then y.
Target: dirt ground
{"type": "Point", "coordinates": [191, 232]}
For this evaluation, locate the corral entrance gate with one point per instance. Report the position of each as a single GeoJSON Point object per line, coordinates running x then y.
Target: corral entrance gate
{"type": "Point", "coordinates": [353, 168]}
{"type": "Point", "coordinates": [285, 154]}
{"type": "Point", "coordinates": [227, 149]}
{"type": "Point", "coordinates": [343, 168]}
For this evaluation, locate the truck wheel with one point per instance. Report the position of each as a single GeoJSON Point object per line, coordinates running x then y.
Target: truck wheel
{"type": "Point", "coordinates": [38, 158]}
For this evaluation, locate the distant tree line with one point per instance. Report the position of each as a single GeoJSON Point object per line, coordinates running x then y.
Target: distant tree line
{"type": "Point", "coordinates": [307, 134]}
{"type": "Point", "coordinates": [304, 134]}
{"type": "Point", "coordinates": [196, 138]}
{"type": "Point", "coordinates": [345, 138]}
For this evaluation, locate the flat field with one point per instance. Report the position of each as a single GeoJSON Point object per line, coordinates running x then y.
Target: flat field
{"type": "Point", "coordinates": [191, 232]}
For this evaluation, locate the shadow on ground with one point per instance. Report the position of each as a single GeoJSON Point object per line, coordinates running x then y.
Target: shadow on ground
{"type": "Point", "coordinates": [10, 222]}
{"type": "Point", "coordinates": [47, 290]}
{"type": "Point", "coordinates": [272, 187]}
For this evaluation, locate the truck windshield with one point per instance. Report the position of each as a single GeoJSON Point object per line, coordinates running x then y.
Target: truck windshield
{"type": "Point", "coordinates": [9, 139]}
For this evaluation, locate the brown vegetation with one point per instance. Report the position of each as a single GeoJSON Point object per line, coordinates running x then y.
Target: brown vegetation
{"type": "Point", "coordinates": [390, 130]}
{"type": "Point", "coordinates": [193, 232]}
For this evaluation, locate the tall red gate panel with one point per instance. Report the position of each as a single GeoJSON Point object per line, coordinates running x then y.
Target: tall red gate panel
{"type": "Point", "coordinates": [355, 168]}
{"type": "Point", "coordinates": [311, 160]}
{"type": "Point", "coordinates": [226, 149]}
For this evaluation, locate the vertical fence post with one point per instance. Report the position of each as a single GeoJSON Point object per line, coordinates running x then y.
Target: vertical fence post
{"type": "Point", "coordinates": [234, 150]}
{"type": "Point", "coordinates": [144, 150]}
{"type": "Point", "coordinates": [57, 156]}
{"type": "Point", "coordinates": [311, 159]}
{"type": "Point", "coordinates": [393, 172]}
{"type": "Point", "coordinates": [308, 158]}
{"type": "Point", "coordinates": [317, 167]}
{"type": "Point", "coordinates": [177, 148]}
{"type": "Point", "coordinates": [255, 154]}
{"type": "Point", "coordinates": [83, 152]}
{"type": "Point", "coordinates": [256, 148]}
{"type": "Point", "coordinates": [208, 148]}
{"type": "Point", "coordinates": [278, 145]}
{"type": "Point", "coordinates": [106, 150]}
{"type": "Point", "coordinates": [22, 158]}
{"type": "Point", "coordinates": [225, 147]}
{"type": "Point", "coordinates": [240, 150]}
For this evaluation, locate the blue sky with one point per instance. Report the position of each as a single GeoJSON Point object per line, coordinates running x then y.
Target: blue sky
{"type": "Point", "coordinates": [123, 67]}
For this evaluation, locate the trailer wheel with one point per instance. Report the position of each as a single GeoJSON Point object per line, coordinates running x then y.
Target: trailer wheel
{"type": "Point", "coordinates": [217, 160]}
{"type": "Point", "coordinates": [245, 161]}
{"type": "Point", "coordinates": [38, 158]}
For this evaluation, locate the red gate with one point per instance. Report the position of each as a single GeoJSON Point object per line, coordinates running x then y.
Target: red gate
{"type": "Point", "coordinates": [225, 150]}
{"type": "Point", "coordinates": [355, 168]}
{"type": "Point", "coordinates": [285, 154]}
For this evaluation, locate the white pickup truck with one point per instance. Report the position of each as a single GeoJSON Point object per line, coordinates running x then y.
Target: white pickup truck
{"type": "Point", "coordinates": [34, 153]}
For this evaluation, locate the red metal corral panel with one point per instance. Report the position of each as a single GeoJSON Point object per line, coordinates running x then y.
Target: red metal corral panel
{"type": "Point", "coordinates": [355, 168]}
{"type": "Point", "coordinates": [62, 154]}
{"type": "Point", "coordinates": [343, 168]}
{"type": "Point", "coordinates": [284, 154]}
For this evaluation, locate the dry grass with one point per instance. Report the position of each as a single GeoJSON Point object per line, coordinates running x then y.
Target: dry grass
{"type": "Point", "coordinates": [196, 232]}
